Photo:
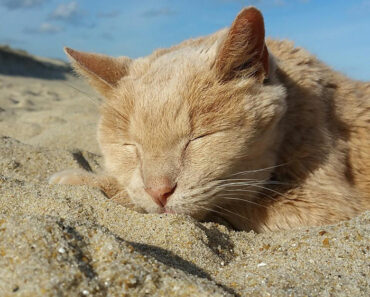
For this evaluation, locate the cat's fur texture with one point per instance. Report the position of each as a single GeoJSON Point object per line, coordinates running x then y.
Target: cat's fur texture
{"type": "Point", "coordinates": [263, 135]}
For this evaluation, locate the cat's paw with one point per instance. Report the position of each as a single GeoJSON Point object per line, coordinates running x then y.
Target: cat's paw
{"type": "Point", "coordinates": [70, 177]}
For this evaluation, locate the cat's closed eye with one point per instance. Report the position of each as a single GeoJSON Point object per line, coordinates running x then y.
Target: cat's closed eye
{"type": "Point", "coordinates": [201, 136]}
{"type": "Point", "coordinates": [196, 138]}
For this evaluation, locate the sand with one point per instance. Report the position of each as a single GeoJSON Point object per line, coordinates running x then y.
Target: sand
{"type": "Point", "coordinates": [60, 240]}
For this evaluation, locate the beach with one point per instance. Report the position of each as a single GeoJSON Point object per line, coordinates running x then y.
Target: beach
{"type": "Point", "coordinates": [58, 240]}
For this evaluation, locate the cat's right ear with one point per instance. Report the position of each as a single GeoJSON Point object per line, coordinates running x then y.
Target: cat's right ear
{"type": "Point", "coordinates": [103, 72]}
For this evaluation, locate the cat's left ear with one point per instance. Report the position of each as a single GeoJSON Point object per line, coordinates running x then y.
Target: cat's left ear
{"type": "Point", "coordinates": [103, 72]}
{"type": "Point", "coordinates": [244, 52]}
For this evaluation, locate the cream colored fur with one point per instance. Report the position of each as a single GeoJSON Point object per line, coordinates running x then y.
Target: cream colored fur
{"type": "Point", "coordinates": [288, 152]}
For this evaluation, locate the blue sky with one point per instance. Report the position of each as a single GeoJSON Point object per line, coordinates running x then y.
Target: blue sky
{"type": "Point", "coordinates": [337, 31]}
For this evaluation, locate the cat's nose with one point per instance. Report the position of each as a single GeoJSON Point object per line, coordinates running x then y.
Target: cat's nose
{"type": "Point", "coordinates": [160, 191]}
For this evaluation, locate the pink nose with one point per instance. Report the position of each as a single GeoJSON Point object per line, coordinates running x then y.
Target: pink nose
{"type": "Point", "coordinates": [161, 191]}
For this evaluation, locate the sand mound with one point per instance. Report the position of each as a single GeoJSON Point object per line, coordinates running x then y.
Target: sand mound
{"type": "Point", "coordinates": [19, 62]}
{"type": "Point", "coordinates": [73, 241]}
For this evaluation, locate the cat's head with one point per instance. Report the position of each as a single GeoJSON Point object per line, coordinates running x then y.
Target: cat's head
{"type": "Point", "coordinates": [180, 127]}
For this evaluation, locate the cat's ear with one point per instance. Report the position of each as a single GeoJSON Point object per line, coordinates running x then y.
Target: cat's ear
{"type": "Point", "coordinates": [243, 51]}
{"type": "Point", "coordinates": [103, 72]}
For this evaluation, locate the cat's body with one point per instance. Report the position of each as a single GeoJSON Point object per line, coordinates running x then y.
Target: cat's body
{"type": "Point", "coordinates": [217, 126]}
{"type": "Point", "coordinates": [325, 146]}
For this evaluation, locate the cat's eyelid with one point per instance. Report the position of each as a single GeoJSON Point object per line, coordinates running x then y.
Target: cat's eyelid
{"type": "Point", "coordinates": [205, 134]}
{"type": "Point", "coordinates": [202, 135]}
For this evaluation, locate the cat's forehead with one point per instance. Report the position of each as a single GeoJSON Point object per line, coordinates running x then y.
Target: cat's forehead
{"type": "Point", "coordinates": [168, 71]}
{"type": "Point", "coordinates": [165, 77]}
{"type": "Point", "coordinates": [183, 60]}
{"type": "Point", "coordinates": [177, 61]}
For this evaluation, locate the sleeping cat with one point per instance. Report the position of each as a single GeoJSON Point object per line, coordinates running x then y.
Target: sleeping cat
{"type": "Point", "coordinates": [259, 133]}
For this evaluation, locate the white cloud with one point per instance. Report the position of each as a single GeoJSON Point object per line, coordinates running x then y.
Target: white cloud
{"type": "Point", "coordinates": [16, 4]}
{"type": "Point", "coordinates": [49, 28]}
{"type": "Point", "coordinates": [71, 14]}
{"type": "Point", "coordinates": [66, 11]}
{"type": "Point", "coordinates": [44, 28]}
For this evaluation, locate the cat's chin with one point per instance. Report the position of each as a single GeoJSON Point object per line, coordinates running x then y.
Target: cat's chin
{"type": "Point", "coordinates": [174, 210]}
{"type": "Point", "coordinates": [167, 210]}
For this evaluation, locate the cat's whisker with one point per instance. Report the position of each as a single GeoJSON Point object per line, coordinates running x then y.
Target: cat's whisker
{"type": "Point", "coordinates": [97, 101]}
{"type": "Point", "coordinates": [115, 110]}
{"type": "Point", "coordinates": [271, 190]}
{"type": "Point", "coordinates": [222, 213]}
{"type": "Point", "coordinates": [242, 200]}
{"type": "Point", "coordinates": [234, 213]}
{"type": "Point", "coordinates": [211, 188]}
{"type": "Point", "coordinates": [271, 207]}
{"type": "Point", "coordinates": [252, 191]}
{"type": "Point", "coordinates": [247, 183]}
{"type": "Point", "coordinates": [239, 184]}
{"type": "Point", "coordinates": [238, 179]}
{"type": "Point", "coordinates": [94, 100]}
{"type": "Point", "coordinates": [259, 170]}
{"type": "Point", "coordinates": [197, 196]}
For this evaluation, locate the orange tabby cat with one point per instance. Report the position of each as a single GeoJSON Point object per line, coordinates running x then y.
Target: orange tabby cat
{"type": "Point", "coordinates": [259, 133]}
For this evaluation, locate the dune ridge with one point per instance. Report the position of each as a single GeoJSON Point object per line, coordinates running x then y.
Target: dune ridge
{"type": "Point", "coordinates": [21, 63]}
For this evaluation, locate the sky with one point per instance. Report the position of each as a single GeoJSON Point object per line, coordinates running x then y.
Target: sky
{"type": "Point", "coordinates": [337, 31]}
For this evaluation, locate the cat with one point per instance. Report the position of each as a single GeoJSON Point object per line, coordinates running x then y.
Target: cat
{"type": "Point", "coordinates": [254, 131]}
